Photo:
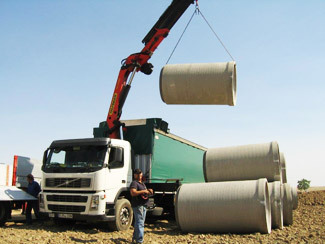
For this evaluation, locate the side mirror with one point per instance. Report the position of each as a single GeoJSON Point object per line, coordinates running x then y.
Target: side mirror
{"type": "Point", "coordinates": [116, 158]}
{"type": "Point", "coordinates": [118, 154]}
{"type": "Point", "coordinates": [45, 156]}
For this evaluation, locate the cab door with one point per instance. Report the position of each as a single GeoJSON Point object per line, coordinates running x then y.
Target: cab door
{"type": "Point", "coordinates": [116, 167]}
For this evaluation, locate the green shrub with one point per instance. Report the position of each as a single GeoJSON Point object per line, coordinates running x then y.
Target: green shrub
{"type": "Point", "coordinates": [303, 184]}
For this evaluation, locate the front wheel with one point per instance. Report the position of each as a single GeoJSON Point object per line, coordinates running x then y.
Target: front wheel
{"type": "Point", "coordinates": [123, 215]}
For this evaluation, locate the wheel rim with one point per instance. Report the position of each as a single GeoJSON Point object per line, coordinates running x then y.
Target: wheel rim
{"type": "Point", "coordinates": [124, 216]}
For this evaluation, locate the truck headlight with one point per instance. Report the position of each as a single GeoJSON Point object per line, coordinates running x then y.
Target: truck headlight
{"type": "Point", "coordinates": [94, 202]}
{"type": "Point", "coordinates": [41, 200]}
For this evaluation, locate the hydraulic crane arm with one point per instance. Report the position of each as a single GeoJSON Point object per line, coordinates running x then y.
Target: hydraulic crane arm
{"type": "Point", "coordinates": [139, 62]}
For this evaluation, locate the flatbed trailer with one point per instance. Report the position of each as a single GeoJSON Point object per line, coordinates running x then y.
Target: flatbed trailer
{"type": "Point", "coordinates": [14, 196]}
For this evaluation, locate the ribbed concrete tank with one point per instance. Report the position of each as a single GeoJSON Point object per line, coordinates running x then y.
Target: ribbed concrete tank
{"type": "Point", "coordinates": [294, 194]}
{"type": "Point", "coordinates": [199, 83]}
{"type": "Point", "coordinates": [287, 205]}
{"type": "Point", "coordinates": [249, 162]}
{"type": "Point", "coordinates": [283, 168]}
{"type": "Point", "coordinates": [224, 207]}
{"type": "Point", "coordinates": [276, 204]}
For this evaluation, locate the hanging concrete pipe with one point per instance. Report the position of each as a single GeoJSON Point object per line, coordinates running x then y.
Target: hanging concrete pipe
{"type": "Point", "coordinates": [200, 83]}
{"type": "Point", "coordinates": [249, 162]}
{"type": "Point", "coordinates": [287, 205]}
{"type": "Point", "coordinates": [294, 194]}
{"type": "Point", "coordinates": [224, 207]}
{"type": "Point", "coordinates": [276, 204]}
{"type": "Point", "coordinates": [283, 168]}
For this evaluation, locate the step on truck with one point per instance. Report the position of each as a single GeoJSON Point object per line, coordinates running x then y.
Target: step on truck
{"type": "Point", "coordinates": [88, 179]}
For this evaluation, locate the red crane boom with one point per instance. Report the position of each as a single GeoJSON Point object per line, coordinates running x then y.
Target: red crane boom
{"type": "Point", "coordinates": [139, 62]}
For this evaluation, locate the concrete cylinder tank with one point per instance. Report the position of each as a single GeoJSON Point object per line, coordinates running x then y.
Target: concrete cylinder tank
{"type": "Point", "coordinates": [294, 194]}
{"type": "Point", "coordinates": [287, 205]}
{"type": "Point", "coordinates": [224, 207]}
{"type": "Point", "coordinates": [199, 83]}
{"type": "Point", "coordinates": [276, 204]}
{"type": "Point", "coordinates": [249, 162]}
{"type": "Point", "coordinates": [283, 168]}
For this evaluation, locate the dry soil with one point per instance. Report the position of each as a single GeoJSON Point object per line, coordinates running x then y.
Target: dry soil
{"type": "Point", "coordinates": [308, 227]}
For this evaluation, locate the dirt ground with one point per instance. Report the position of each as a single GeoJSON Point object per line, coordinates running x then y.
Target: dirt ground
{"type": "Point", "coordinates": [308, 227]}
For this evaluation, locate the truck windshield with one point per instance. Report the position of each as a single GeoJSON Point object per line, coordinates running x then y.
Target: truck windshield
{"type": "Point", "coordinates": [75, 159]}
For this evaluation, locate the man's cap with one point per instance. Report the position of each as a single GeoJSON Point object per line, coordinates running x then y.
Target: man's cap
{"type": "Point", "coordinates": [137, 171]}
{"type": "Point", "coordinates": [30, 176]}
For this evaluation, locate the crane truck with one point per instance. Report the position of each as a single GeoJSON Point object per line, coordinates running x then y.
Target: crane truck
{"type": "Point", "coordinates": [88, 179]}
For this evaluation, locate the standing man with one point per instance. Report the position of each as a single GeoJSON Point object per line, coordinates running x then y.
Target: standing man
{"type": "Point", "coordinates": [139, 202]}
{"type": "Point", "coordinates": [33, 189]}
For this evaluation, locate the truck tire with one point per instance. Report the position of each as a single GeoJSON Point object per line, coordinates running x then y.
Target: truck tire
{"type": "Point", "coordinates": [123, 216]}
{"type": "Point", "coordinates": [3, 214]}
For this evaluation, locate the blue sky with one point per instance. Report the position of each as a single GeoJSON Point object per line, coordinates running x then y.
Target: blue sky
{"type": "Point", "coordinates": [59, 61]}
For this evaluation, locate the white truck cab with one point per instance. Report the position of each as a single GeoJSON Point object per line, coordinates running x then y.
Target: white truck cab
{"type": "Point", "coordinates": [88, 180]}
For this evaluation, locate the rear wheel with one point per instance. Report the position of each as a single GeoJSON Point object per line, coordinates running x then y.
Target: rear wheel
{"type": "Point", "coordinates": [123, 215]}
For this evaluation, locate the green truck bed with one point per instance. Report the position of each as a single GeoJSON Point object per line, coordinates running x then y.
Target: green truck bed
{"type": "Point", "coordinates": [161, 155]}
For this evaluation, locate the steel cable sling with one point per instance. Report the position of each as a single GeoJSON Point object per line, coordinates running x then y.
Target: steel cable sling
{"type": "Point", "coordinates": [199, 12]}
